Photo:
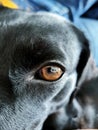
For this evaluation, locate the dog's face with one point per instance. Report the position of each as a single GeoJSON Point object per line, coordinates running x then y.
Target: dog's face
{"type": "Point", "coordinates": [41, 56]}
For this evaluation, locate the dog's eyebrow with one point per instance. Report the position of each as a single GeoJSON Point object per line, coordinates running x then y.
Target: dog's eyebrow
{"type": "Point", "coordinates": [47, 48]}
{"type": "Point", "coordinates": [34, 54]}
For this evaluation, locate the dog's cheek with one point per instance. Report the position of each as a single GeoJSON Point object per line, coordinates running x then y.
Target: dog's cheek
{"type": "Point", "coordinates": [55, 91]}
{"type": "Point", "coordinates": [22, 116]}
{"type": "Point", "coordinates": [44, 91]}
{"type": "Point", "coordinates": [66, 91]}
{"type": "Point", "coordinates": [37, 96]}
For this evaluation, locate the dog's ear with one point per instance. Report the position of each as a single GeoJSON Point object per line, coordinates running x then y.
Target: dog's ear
{"type": "Point", "coordinates": [84, 55]}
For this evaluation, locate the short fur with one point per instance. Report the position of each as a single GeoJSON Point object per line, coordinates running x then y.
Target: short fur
{"type": "Point", "coordinates": [29, 41]}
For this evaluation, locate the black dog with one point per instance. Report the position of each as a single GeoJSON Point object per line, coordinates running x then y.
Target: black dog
{"type": "Point", "coordinates": [42, 56]}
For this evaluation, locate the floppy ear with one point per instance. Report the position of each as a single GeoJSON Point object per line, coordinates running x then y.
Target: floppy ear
{"type": "Point", "coordinates": [84, 56]}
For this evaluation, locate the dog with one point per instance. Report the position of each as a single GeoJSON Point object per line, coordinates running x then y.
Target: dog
{"type": "Point", "coordinates": [42, 57]}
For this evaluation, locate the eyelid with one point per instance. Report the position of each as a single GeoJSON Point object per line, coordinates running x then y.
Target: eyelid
{"type": "Point", "coordinates": [53, 62]}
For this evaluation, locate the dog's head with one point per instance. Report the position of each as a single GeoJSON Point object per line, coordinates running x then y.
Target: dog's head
{"type": "Point", "coordinates": [41, 57]}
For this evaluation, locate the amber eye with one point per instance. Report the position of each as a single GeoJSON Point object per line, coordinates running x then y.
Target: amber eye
{"type": "Point", "coordinates": [51, 73]}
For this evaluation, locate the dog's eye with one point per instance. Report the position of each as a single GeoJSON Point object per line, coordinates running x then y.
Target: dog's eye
{"type": "Point", "coordinates": [51, 72]}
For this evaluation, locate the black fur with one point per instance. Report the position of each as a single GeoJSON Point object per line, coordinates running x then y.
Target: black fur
{"type": "Point", "coordinates": [29, 41]}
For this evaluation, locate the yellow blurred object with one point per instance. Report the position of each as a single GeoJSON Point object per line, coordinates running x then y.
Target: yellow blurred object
{"type": "Point", "coordinates": [9, 4]}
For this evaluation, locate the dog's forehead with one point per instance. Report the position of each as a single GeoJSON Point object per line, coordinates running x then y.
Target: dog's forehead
{"type": "Point", "coordinates": [51, 27]}
{"type": "Point", "coordinates": [48, 36]}
{"type": "Point", "coordinates": [49, 23]}
{"type": "Point", "coordinates": [45, 26]}
{"type": "Point", "coordinates": [49, 18]}
{"type": "Point", "coordinates": [57, 32]}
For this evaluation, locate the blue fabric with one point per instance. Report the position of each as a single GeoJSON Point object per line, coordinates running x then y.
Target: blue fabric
{"type": "Point", "coordinates": [83, 13]}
